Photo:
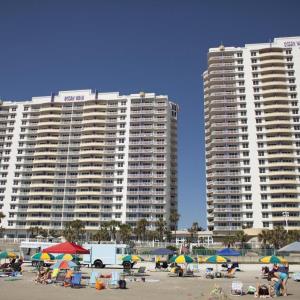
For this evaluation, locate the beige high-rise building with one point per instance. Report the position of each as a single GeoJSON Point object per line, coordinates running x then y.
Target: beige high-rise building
{"type": "Point", "coordinates": [252, 133]}
{"type": "Point", "coordinates": [87, 155]}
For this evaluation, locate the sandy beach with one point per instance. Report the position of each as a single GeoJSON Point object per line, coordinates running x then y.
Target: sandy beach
{"type": "Point", "coordinates": [157, 285]}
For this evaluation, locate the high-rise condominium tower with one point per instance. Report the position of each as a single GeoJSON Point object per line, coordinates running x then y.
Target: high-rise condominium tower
{"type": "Point", "coordinates": [252, 131]}
{"type": "Point", "coordinates": [87, 155]}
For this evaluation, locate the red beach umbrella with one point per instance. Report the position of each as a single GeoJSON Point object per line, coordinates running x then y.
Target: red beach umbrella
{"type": "Point", "coordinates": [67, 247]}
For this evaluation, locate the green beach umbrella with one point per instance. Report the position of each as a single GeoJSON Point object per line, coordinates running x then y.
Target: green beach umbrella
{"type": "Point", "coordinates": [7, 254]}
{"type": "Point", "coordinates": [217, 259]}
{"type": "Point", "coordinates": [133, 258]}
{"type": "Point", "coordinates": [272, 260]}
{"type": "Point", "coordinates": [181, 259]}
{"type": "Point", "coordinates": [42, 256]}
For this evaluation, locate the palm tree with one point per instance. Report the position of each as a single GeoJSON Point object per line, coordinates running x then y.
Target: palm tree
{"type": "Point", "coordinates": [174, 218]}
{"type": "Point", "coordinates": [141, 229]}
{"type": "Point", "coordinates": [125, 233]}
{"type": "Point", "coordinates": [228, 241]}
{"type": "Point", "coordinates": [102, 234]}
{"type": "Point", "coordinates": [193, 231]}
{"type": "Point", "coordinates": [292, 236]}
{"type": "Point", "coordinates": [278, 237]}
{"type": "Point", "coordinates": [54, 233]}
{"type": "Point", "coordinates": [241, 238]}
{"type": "Point", "coordinates": [74, 231]}
{"type": "Point", "coordinates": [264, 238]}
{"type": "Point", "coordinates": [112, 229]}
{"type": "Point", "coordinates": [2, 216]}
{"type": "Point", "coordinates": [161, 227]}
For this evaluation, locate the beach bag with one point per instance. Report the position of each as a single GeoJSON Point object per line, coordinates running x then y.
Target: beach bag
{"type": "Point", "coordinates": [251, 290]}
{"type": "Point", "coordinates": [263, 290]}
{"type": "Point", "coordinates": [99, 285]}
{"type": "Point", "coordinates": [122, 284]}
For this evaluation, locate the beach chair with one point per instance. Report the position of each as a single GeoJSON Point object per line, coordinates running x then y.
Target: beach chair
{"type": "Point", "coordinates": [76, 280]}
{"type": "Point", "coordinates": [237, 288]}
{"type": "Point", "coordinates": [93, 278]}
{"type": "Point", "coordinates": [140, 272]}
{"type": "Point", "coordinates": [209, 273]}
{"type": "Point", "coordinates": [189, 272]}
{"type": "Point", "coordinates": [60, 278]}
{"type": "Point", "coordinates": [113, 283]}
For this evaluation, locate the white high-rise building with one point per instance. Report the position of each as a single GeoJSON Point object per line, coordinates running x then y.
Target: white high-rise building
{"type": "Point", "coordinates": [87, 155]}
{"type": "Point", "coordinates": [252, 131]}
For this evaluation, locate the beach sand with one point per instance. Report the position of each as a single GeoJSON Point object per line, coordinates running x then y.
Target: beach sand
{"type": "Point", "coordinates": [158, 286]}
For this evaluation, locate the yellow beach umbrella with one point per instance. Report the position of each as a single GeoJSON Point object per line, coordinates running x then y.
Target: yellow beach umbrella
{"type": "Point", "coordinates": [217, 259]}
{"type": "Point", "coordinates": [200, 259]}
{"type": "Point", "coordinates": [7, 254]}
{"type": "Point", "coordinates": [273, 260]}
{"type": "Point", "coordinates": [67, 257]}
{"type": "Point", "coordinates": [181, 259]}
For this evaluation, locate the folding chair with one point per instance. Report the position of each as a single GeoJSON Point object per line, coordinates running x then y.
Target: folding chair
{"type": "Point", "coordinates": [93, 277]}
{"type": "Point", "coordinates": [76, 280]}
{"type": "Point", "coordinates": [113, 283]}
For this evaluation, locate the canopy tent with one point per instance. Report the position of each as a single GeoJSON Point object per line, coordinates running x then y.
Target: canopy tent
{"type": "Point", "coordinates": [162, 251]}
{"type": "Point", "coordinates": [292, 248]}
{"type": "Point", "coordinates": [67, 247]}
{"type": "Point", "coordinates": [228, 252]}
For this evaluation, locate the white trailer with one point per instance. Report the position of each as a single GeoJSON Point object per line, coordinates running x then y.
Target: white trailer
{"type": "Point", "coordinates": [105, 254]}
{"type": "Point", "coordinates": [27, 249]}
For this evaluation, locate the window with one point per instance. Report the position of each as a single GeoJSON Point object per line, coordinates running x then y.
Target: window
{"type": "Point", "coordinates": [253, 53]}
{"type": "Point", "coordinates": [265, 224]}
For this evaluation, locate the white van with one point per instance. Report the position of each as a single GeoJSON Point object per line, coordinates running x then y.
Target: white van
{"type": "Point", "coordinates": [105, 254]}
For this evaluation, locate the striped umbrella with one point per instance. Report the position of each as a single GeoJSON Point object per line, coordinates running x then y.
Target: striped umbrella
{"type": "Point", "coordinates": [181, 259]}
{"type": "Point", "coordinates": [63, 264]}
{"type": "Point", "coordinates": [66, 257]}
{"type": "Point", "coordinates": [217, 259]}
{"type": "Point", "coordinates": [133, 258]}
{"type": "Point", "coordinates": [273, 260]}
{"type": "Point", "coordinates": [7, 254]}
{"type": "Point", "coordinates": [42, 256]}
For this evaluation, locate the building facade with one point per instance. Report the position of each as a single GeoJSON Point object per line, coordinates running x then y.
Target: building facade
{"type": "Point", "coordinates": [252, 135]}
{"type": "Point", "coordinates": [87, 155]}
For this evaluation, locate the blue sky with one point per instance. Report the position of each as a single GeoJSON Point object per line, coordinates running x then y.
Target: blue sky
{"type": "Point", "coordinates": [131, 46]}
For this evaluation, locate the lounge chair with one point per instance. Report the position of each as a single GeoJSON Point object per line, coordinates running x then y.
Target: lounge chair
{"type": "Point", "coordinates": [113, 283]}
{"type": "Point", "coordinates": [140, 272]}
{"type": "Point", "coordinates": [93, 277]}
{"type": "Point", "coordinates": [237, 288]}
{"type": "Point", "coordinates": [76, 280]}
